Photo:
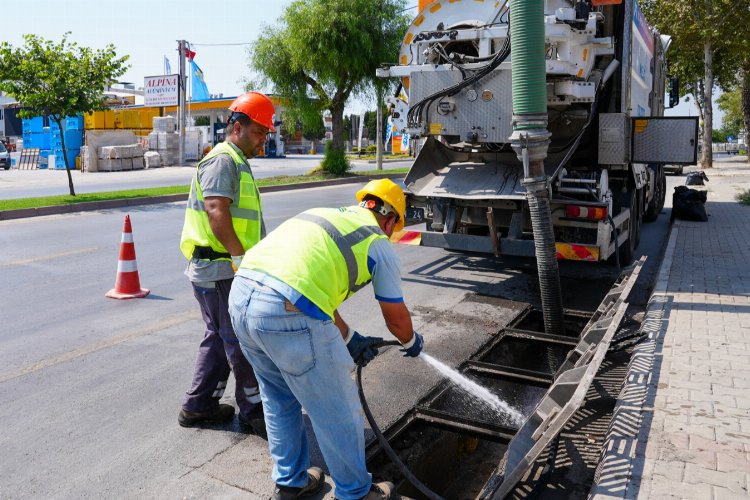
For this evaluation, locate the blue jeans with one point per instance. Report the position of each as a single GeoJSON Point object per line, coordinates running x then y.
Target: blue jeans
{"type": "Point", "coordinates": [301, 362]}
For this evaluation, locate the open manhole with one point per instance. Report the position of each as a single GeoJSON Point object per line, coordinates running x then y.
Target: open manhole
{"type": "Point", "coordinates": [454, 465]}
{"type": "Point", "coordinates": [533, 321]}
{"type": "Point", "coordinates": [451, 440]}
{"type": "Point", "coordinates": [460, 447]}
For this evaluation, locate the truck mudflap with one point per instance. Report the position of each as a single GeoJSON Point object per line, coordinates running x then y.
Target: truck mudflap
{"type": "Point", "coordinates": [443, 172]}
{"type": "Point", "coordinates": [571, 251]}
{"type": "Point", "coordinates": [482, 244]}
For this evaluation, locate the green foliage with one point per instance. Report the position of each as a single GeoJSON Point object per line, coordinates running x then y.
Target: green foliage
{"type": "Point", "coordinates": [708, 38]}
{"type": "Point", "coordinates": [731, 104]}
{"type": "Point", "coordinates": [744, 197]}
{"type": "Point", "coordinates": [335, 161]}
{"type": "Point", "coordinates": [718, 135]}
{"type": "Point", "coordinates": [58, 79]}
{"type": "Point", "coordinates": [313, 128]}
{"type": "Point", "coordinates": [327, 50]}
{"type": "Point", "coordinates": [372, 148]}
{"type": "Point", "coordinates": [202, 121]}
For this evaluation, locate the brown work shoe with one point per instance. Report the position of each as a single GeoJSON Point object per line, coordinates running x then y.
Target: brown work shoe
{"type": "Point", "coordinates": [380, 491]}
{"type": "Point", "coordinates": [315, 482]}
{"type": "Point", "coordinates": [195, 418]}
{"type": "Point", "coordinates": [254, 423]}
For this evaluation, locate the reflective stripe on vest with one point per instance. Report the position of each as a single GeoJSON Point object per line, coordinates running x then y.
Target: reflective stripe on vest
{"type": "Point", "coordinates": [321, 253]}
{"type": "Point", "coordinates": [245, 211]}
{"type": "Point", "coordinates": [345, 244]}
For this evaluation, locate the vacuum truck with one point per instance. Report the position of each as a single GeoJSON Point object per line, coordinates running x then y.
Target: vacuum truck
{"type": "Point", "coordinates": [602, 81]}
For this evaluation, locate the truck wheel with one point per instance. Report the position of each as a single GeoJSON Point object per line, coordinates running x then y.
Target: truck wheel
{"type": "Point", "coordinates": [627, 250]}
{"type": "Point", "coordinates": [656, 204]}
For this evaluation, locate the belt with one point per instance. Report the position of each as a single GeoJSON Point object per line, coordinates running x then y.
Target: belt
{"type": "Point", "coordinates": [289, 307]}
{"type": "Point", "coordinates": [208, 253]}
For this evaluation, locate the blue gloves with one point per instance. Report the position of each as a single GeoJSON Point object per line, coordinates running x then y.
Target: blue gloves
{"type": "Point", "coordinates": [412, 348]}
{"type": "Point", "coordinates": [361, 348]}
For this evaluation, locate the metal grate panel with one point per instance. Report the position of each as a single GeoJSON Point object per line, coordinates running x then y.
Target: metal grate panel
{"type": "Point", "coordinates": [671, 140]}
{"type": "Point", "coordinates": [485, 108]}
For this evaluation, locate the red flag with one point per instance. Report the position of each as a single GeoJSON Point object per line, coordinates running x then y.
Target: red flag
{"type": "Point", "coordinates": [189, 53]}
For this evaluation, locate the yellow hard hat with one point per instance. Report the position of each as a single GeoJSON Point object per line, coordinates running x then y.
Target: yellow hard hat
{"type": "Point", "coordinates": [389, 192]}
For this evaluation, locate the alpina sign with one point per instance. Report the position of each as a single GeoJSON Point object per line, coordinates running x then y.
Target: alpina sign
{"type": "Point", "coordinates": [161, 90]}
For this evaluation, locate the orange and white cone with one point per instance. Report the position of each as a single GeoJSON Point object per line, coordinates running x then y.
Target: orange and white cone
{"type": "Point", "coordinates": [127, 283]}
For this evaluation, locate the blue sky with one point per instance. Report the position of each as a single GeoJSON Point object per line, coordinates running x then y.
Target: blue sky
{"type": "Point", "coordinates": [147, 30]}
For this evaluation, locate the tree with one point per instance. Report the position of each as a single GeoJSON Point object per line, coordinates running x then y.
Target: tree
{"type": "Point", "coordinates": [731, 104]}
{"type": "Point", "coordinates": [741, 60]}
{"type": "Point", "coordinates": [328, 50]}
{"type": "Point", "coordinates": [58, 79]}
{"type": "Point", "coordinates": [202, 121]}
{"type": "Point", "coordinates": [371, 122]}
{"type": "Point", "coordinates": [703, 46]}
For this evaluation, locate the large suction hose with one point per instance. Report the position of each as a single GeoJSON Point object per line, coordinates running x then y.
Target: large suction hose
{"type": "Point", "coordinates": [530, 140]}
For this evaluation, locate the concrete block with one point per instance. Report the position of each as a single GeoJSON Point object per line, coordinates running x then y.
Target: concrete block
{"type": "Point", "coordinates": [110, 165]}
{"type": "Point", "coordinates": [152, 159]}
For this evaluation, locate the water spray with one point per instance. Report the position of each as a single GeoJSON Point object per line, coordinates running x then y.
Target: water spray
{"type": "Point", "coordinates": [461, 381]}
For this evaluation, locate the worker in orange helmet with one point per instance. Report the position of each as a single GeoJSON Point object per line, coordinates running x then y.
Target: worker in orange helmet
{"type": "Point", "coordinates": [223, 219]}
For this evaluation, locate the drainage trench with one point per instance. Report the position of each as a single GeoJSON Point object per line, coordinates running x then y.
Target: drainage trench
{"type": "Point", "coordinates": [462, 449]}
{"type": "Point", "coordinates": [453, 442]}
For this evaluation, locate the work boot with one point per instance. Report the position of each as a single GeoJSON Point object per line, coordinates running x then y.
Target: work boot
{"type": "Point", "coordinates": [315, 482]}
{"type": "Point", "coordinates": [195, 418]}
{"type": "Point", "coordinates": [380, 491]}
{"type": "Point", "coordinates": [254, 423]}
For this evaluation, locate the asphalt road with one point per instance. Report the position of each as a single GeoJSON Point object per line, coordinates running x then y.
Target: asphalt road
{"type": "Point", "coordinates": [91, 386]}
{"type": "Point", "coordinates": [31, 183]}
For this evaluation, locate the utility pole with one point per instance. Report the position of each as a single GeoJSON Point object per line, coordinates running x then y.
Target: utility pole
{"type": "Point", "coordinates": [378, 101]}
{"type": "Point", "coordinates": [379, 128]}
{"type": "Point", "coordinates": [181, 46]}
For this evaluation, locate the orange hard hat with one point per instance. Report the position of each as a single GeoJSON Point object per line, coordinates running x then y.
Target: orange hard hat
{"type": "Point", "coordinates": [256, 106]}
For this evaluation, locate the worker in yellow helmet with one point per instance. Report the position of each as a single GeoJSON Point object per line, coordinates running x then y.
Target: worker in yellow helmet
{"type": "Point", "coordinates": [222, 220]}
{"type": "Point", "coordinates": [284, 308]}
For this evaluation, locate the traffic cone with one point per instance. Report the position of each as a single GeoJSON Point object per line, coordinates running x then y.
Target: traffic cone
{"type": "Point", "coordinates": [127, 283]}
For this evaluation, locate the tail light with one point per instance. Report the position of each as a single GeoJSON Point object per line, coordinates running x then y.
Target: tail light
{"type": "Point", "coordinates": [585, 212]}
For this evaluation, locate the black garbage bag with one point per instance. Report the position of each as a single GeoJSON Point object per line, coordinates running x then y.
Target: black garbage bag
{"type": "Point", "coordinates": [689, 204]}
{"type": "Point", "coordinates": [696, 179]}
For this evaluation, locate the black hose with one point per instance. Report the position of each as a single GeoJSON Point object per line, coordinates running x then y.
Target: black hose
{"type": "Point", "coordinates": [384, 442]}
{"type": "Point", "coordinates": [617, 241]}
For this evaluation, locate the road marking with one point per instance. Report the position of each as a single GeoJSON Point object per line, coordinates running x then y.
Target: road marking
{"type": "Point", "coordinates": [98, 346]}
{"type": "Point", "coordinates": [51, 256]}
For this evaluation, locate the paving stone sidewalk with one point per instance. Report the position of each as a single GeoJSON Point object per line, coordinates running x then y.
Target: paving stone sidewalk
{"type": "Point", "coordinates": [682, 423]}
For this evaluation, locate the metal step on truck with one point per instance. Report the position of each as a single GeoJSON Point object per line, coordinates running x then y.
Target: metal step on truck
{"type": "Point", "coordinates": [605, 137]}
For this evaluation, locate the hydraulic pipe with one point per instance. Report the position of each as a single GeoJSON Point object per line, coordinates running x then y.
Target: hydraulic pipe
{"type": "Point", "coordinates": [530, 140]}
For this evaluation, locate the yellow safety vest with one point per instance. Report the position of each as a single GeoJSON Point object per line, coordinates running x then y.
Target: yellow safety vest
{"type": "Point", "coordinates": [246, 211]}
{"type": "Point", "coordinates": [321, 253]}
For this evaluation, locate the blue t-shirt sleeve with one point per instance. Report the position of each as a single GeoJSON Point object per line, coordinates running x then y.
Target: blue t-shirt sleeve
{"type": "Point", "coordinates": [385, 268]}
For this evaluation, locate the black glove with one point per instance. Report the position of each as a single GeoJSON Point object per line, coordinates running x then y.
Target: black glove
{"type": "Point", "coordinates": [412, 348]}
{"type": "Point", "coordinates": [361, 348]}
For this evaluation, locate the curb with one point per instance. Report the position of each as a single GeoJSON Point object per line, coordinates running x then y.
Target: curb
{"type": "Point", "coordinates": [620, 468]}
{"type": "Point", "coordinates": [89, 206]}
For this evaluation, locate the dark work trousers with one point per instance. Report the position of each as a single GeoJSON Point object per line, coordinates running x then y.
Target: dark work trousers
{"type": "Point", "coordinates": [219, 351]}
